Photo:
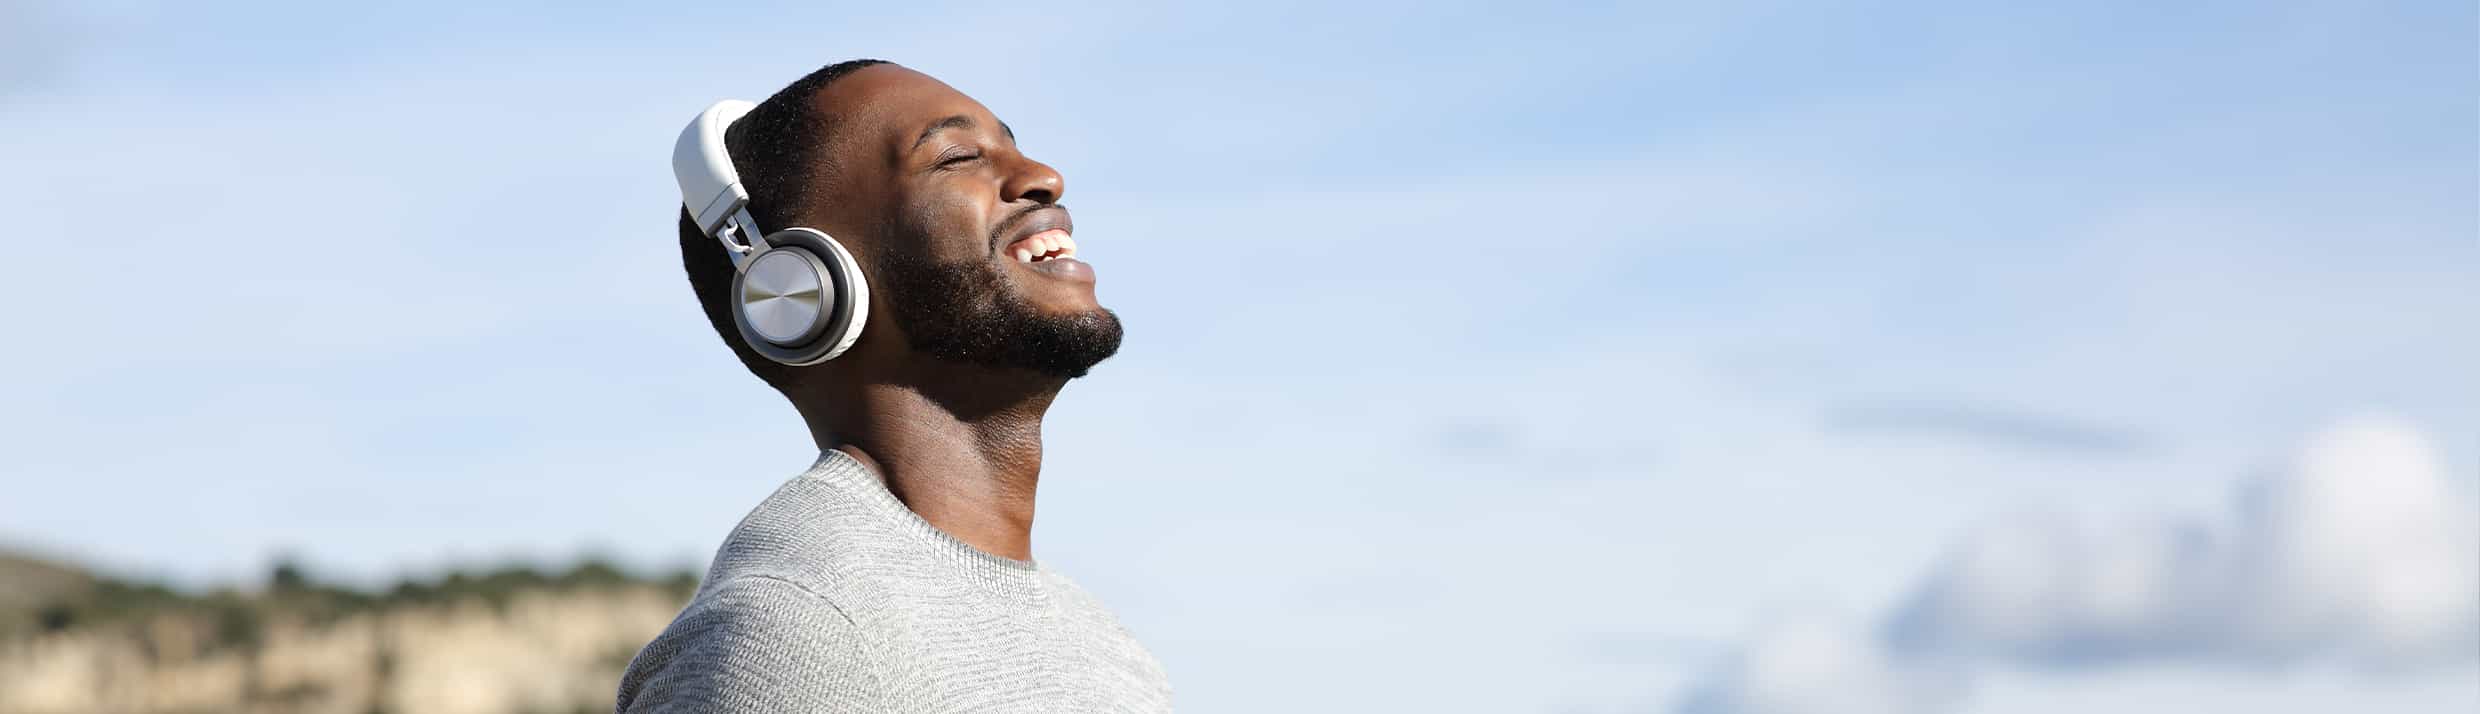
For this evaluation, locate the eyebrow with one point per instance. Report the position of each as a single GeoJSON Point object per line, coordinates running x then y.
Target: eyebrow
{"type": "Point", "coordinates": [956, 122]}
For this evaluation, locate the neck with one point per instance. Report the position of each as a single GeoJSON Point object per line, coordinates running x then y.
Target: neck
{"type": "Point", "coordinates": [960, 447]}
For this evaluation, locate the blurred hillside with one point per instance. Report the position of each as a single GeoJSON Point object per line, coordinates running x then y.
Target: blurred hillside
{"type": "Point", "coordinates": [514, 639]}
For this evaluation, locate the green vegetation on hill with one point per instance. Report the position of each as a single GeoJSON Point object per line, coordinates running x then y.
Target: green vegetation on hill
{"type": "Point", "coordinates": [41, 596]}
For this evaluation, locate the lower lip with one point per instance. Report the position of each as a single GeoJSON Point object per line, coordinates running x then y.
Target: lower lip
{"type": "Point", "coordinates": [1069, 269]}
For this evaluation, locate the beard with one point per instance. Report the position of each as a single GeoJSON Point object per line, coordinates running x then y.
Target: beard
{"type": "Point", "coordinates": [969, 312]}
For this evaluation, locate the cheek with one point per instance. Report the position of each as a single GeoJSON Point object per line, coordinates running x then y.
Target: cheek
{"type": "Point", "coordinates": [948, 225]}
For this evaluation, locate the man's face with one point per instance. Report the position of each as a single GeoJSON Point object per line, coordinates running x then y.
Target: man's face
{"type": "Point", "coordinates": [971, 252]}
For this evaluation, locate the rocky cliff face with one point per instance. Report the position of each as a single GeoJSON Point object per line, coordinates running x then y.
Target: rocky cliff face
{"type": "Point", "coordinates": [549, 646]}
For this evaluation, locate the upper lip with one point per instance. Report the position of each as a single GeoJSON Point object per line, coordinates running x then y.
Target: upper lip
{"type": "Point", "coordinates": [1034, 220]}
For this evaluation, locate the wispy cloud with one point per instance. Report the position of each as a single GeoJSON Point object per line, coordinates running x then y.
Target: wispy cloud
{"type": "Point", "coordinates": [2003, 428]}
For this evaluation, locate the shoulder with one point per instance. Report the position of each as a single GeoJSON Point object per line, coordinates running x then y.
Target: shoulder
{"type": "Point", "coordinates": [749, 644]}
{"type": "Point", "coordinates": [1111, 648]}
{"type": "Point", "coordinates": [1078, 602]}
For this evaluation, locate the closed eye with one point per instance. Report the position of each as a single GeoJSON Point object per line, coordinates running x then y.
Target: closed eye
{"type": "Point", "coordinates": [959, 159]}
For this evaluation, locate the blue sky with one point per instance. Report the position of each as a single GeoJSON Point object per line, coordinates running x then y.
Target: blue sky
{"type": "Point", "coordinates": [1594, 358]}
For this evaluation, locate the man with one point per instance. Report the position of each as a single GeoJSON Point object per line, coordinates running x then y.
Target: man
{"type": "Point", "coordinates": [897, 574]}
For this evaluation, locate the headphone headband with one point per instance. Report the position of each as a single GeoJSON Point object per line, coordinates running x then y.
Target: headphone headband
{"type": "Point", "coordinates": [710, 188]}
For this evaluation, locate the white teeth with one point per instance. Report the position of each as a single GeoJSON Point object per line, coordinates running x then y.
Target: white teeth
{"type": "Point", "coordinates": [1046, 246]}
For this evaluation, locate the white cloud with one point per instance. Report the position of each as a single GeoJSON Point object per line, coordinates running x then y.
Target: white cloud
{"type": "Point", "coordinates": [2362, 551]}
{"type": "Point", "coordinates": [2047, 589]}
{"type": "Point", "coordinates": [1812, 664]}
{"type": "Point", "coordinates": [2358, 553]}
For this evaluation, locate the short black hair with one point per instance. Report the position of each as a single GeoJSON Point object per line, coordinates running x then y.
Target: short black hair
{"type": "Point", "coordinates": [779, 148]}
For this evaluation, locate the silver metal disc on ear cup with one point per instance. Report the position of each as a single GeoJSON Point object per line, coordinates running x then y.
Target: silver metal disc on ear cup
{"type": "Point", "coordinates": [783, 296]}
{"type": "Point", "coordinates": [803, 300]}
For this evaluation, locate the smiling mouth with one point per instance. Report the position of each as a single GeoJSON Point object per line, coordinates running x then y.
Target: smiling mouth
{"type": "Point", "coordinates": [1044, 246]}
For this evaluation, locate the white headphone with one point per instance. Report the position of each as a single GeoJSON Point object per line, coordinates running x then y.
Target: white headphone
{"type": "Point", "coordinates": [798, 297]}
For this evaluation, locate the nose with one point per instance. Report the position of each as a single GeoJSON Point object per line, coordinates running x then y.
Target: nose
{"type": "Point", "coordinates": [1033, 181]}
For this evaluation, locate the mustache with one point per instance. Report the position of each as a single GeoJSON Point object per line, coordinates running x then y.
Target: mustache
{"type": "Point", "coordinates": [999, 232]}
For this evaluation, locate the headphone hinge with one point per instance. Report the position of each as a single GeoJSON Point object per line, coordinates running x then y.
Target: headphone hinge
{"type": "Point", "coordinates": [740, 235]}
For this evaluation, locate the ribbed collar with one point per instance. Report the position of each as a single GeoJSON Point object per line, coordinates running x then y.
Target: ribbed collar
{"type": "Point", "coordinates": [841, 472]}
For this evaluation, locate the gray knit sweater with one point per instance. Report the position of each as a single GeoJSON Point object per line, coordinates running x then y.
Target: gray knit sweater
{"type": "Point", "coordinates": [834, 597]}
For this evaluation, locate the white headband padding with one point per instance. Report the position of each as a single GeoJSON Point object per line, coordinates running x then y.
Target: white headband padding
{"type": "Point", "coordinates": [709, 187]}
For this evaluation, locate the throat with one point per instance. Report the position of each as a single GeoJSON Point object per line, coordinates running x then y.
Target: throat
{"type": "Point", "coordinates": [974, 479]}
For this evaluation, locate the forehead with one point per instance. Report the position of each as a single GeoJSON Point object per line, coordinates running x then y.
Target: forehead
{"type": "Point", "coordinates": [887, 103]}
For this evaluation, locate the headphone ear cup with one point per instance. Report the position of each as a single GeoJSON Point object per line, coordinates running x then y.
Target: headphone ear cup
{"type": "Point", "coordinates": [802, 301]}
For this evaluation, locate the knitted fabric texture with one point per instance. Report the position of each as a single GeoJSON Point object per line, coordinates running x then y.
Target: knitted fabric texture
{"type": "Point", "coordinates": [833, 596]}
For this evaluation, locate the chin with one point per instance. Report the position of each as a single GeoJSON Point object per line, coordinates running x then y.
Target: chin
{"type": "Point", "coordinates": [1068, 346]}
